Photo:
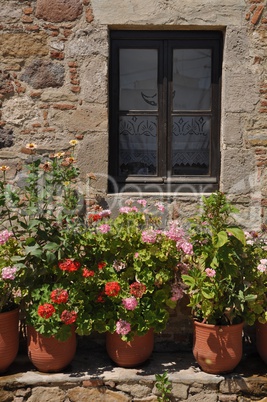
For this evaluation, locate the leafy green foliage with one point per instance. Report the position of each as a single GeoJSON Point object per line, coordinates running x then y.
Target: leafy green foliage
{"type": "Point", "coordinates": [219, 281]}
{"type": "Point", "coordinates": [134, 249]}
{"type": "Point", "coordinates": [43, 212]}
{"type": "Point", "coordinates": [164, 386]}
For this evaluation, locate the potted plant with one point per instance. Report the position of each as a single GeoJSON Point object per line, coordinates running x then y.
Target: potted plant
{"type": "Point", "coordinates": [258, 284]}
{"type": "Point", "coordinates": [51, 318]}
{"type": "Point", "coordinates": [134, 276]}
{"type": "Point", "coordinates": [44, 212]}
{"type": "Point", "coordinates": [9, 300]}
{"type": "Point", "coordinates": [217, 284]}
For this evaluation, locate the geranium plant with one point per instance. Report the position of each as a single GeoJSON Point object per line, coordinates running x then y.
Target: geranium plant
{"type": "Point", "coordinates": [134, 276]}
{"type": "Point", "coordinates": [218, 281]}
{"type": "Point", "coordinates": [43, 213]}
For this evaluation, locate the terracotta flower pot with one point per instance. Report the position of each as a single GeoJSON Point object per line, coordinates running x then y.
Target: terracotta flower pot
{"type": "Point", "coordinates": [130, 354]}
{"type": "Point", "coordinates": [49, 354]}
{"type": "Point", "coordinates": [217, 349]}
{"type": "Point", "coordinates": [9, 338]}
{"type": "Point", "coordinates": [261, 340]}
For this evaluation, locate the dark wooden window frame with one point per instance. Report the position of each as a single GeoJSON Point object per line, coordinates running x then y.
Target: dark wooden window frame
{"type": "Point", "coordinates": [165, 41]}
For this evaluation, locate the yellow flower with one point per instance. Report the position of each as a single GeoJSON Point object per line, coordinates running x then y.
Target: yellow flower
{"type": "Point", "coordinates": [59, 154]}
{"type": "Point", "coordinates": [31, 145]}
{"type": "Point", "coordinates": [73, 143]}
{"type": "Point", "coordinates": [4, 168]}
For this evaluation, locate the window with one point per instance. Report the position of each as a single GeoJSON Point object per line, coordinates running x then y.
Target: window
{"type": "Point", "coordinates": [164, 111]}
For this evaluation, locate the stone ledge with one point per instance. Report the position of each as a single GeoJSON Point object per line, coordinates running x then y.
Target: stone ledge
{"type": "Point", "coordinates": [92, 376]}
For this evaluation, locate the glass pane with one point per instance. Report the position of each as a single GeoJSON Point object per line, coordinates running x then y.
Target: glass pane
{"type": "Point", "coordinates": [138, 145]}
{"type": "Point", "coordinates": [138, 79]}
{"type": "Point", "coordinates": [191, 79]}
{"type": "Point", "coordinates": [190, 145]}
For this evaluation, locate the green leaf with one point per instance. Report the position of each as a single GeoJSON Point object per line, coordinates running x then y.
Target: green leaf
{"type": "Point", "coordinates": [50, 258]}
{"type": "Point", "coordinates": [222, 239]}
{"type": "Point", "coordinates": [250, 297]}
{"type": "Point", "coordinates": [207, 295]}
{"type": "Point", "coordinates": [33, 223]}
{"type": "Point", "coordinates": [51, 246]}
{"type": "Point", "coordinates": [188, 280]}
{"type": "Point", "coordinates": [238, 234]}
{"type": "Point", "coordinates": [34, 250]}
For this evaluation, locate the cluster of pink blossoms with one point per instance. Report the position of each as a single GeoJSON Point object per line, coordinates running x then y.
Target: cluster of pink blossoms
{"type": "Point", "coordinates": [262, 267]}
{"type": "Point", "coordinates": [4, 236]}
{"type": "Point", "coordinates": [150, 236]}
{"type": "Point", "coordinates": [9, 273]}
{"type": "Point", "coordinates": [130, 303]}
{"type": "Point", "coordinates": [126, 210]}
{"type": "Point", "coordinates": [177, 234]}
{"type": "Point", "coordinates": [123, 327]}
{"type": "Point", "coordinates": [210, 272]}
{"type": "Point", "coordinates": [177, 292]}
{"type": "Point", "coordinates": [105, 228]}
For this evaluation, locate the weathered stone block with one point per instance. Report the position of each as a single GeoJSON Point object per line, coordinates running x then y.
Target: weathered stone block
{"type": "Point", "coordinates": [18, 111]}
{"type": "Point", "coordinates": [203, 396]}
{"type": "Point", "coordinates": [6, 396]}
{"type": "Point", "coordinates": [79, 394]}
{"type": "Point", "coordinates": [23, 45]}
{"type": "Point", "coordinates": [46, 394]}
{"type": "Point", "coordinates": [58, 10]}
{"type": "Point", "coordinates": [136, 390]}
{"type": "Point", "coordinates": [10, 11]}
{"type": "Point", "coordinates": [88, 42]}
{"type": "Point", "coordinates": [6, 138]}
{"type": "Point", "coordinates": [43, 74]}
{"type": "Point", "coordinates": [93, 117]}
{"type": "Point", "coordinates": [180, 391]}
{"type": "Point", "coordinates": [93, 76]}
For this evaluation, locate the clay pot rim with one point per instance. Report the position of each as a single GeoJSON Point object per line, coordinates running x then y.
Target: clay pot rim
{"type": "Point", "coordinates": [13, 311]}
{"type": "Point", "coordinates": [214, 326]}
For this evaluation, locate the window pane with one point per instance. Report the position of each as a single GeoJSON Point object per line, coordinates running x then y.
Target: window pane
{"type": "Point", "coordinates": [190, 145]}
{"type": "Point", "coordinates": [191, 79]}
{"type": "Point", "coordinates": [138, 145]}
{"type": "Point", "coordinates": [138, 79]}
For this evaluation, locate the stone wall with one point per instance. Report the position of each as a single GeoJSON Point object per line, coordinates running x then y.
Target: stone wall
{"type": "Point", "coordinates": [54, 87]}
{"type": "Point", "coordinates": [54, 84]}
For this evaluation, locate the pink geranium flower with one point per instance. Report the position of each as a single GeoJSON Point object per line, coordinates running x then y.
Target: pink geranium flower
{"type": "Point", "coordinates": [123, 327]}
{"type": "Point", "coordinates": [130, 303]}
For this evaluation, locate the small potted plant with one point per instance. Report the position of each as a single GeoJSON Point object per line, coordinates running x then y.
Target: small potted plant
{"type": "Point", "coordinates": [135, 276]}
{"type": "Point", "coordinates": [217, 284]}
{"type": "Point", "coordinates": [258, 284]}
{"type": "Point", "coordinates": [9, 299]}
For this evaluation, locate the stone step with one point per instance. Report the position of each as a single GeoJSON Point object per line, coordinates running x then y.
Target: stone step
{"type": "Point", "coordinates": [93, 377]}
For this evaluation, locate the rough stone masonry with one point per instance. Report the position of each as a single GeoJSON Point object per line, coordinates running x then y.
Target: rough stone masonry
{"type": "Point", "coordinates": [54, 57]}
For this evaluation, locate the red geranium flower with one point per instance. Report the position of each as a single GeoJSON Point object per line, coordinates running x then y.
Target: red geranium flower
{"type": "Point", "coordinates": [100, 298]}
{"type": "Point", "coordinates": [46, 310]}
{"type": "Point", "coordinates": [137, 289]}
{"type": "Point", "coordinates": [101, 264]}
{"type": "Point", "coordinates": [94, 217]}
{"type": "Point", "coordinates": [69, 265]}
{"type": "Point", "coordinates": [68, 317]}
{"type": "Point", "coordinates": [112, 289]}
{"type": "Point", "coordinates": [59, 296]}
{"type": "Point", "coordinates": [87, 273]}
